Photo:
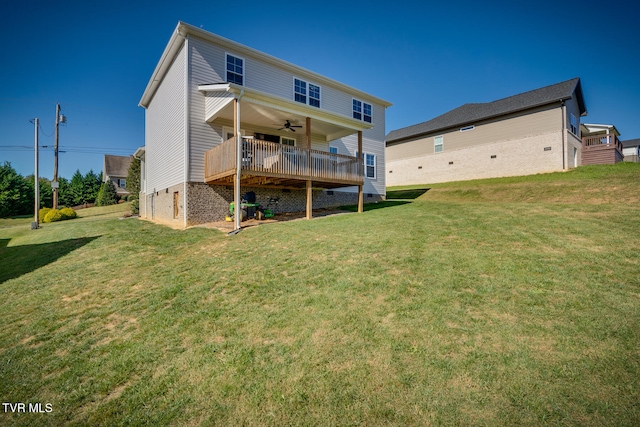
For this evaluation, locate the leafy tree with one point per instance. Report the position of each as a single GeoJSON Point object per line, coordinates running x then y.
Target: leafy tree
{"type": "Point", "coordinates": [64, 193]}
{"type": "Point", "coordinates": [13, 188]}
{"type": "Point", "coordinates": [107, 194]}
{"type": "Point", "coordinates": [44, 187]}
{"type": "Point", "coordinates": [76, 188]}
{"type": "Point", "coordinates": [133, 177]}
{"type": "Point", "coordinates": [92, 183]}
{"type": "Point", "coordinates": [133, 184]}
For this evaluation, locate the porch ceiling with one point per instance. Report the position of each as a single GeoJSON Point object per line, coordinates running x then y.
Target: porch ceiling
{"type": "Point", "coordinates": [267, 111]}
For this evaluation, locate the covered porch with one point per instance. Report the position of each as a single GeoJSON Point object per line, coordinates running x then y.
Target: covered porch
{"type": "Point", "coordinates": [246, 158]}
{"type": "Point", "coordinates": [600, 145]}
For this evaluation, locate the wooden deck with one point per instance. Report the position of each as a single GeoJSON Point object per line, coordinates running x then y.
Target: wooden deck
{"type": "Point", "coordinates": [601, 150]}
{"type": "Point", "coordinates": [267, 164]}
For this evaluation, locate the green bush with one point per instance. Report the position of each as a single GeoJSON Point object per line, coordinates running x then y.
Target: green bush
{"type": "Point", "coordinates": [68, 213]}
{"type": "Point", "coordinates": [42, 213]}
{"type": "Point", "coordinates": [135, 207]}
{"type": "Point", "coordinates": [53, 215]}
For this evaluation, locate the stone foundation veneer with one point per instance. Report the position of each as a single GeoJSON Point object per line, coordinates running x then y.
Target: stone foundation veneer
{"type": "Point", "coordinates": [209, 203]}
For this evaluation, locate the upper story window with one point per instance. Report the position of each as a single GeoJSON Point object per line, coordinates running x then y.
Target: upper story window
{"type": "Point", "coordinates": [235, 69]}
{"type": "Point", "coordinates": [467, 128]}
{"type": "Point", "coordinates": [362, 111]}
{"type": "Point", "coordinates": [574, 125]}
{"type": "Point", "coordinates": [122, 183]}
{"type": "Point", "coordinates": [307, 93]}
{"type": "Point", "coordinates": [438, 144]}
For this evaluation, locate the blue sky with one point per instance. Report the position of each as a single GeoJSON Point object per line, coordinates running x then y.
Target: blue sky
{"type": "Point", "coordinates": [95, 59]}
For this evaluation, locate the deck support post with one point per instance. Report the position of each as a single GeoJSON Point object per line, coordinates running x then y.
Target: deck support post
{"type": "Point", "coordinates": [237, 211]}
{"type": "Point", "coordinates": [309, 184]}
{"type": "Point", "coordinates": [360, 160]}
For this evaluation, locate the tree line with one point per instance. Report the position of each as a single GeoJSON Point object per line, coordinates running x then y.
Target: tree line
{"type": "Point", "coordinates": [17, 192]}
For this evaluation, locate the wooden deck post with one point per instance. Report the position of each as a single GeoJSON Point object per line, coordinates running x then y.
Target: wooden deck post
{"type": "Point", "coordinates": [237, 211]}
{"type": "Point", "coordinates": [360, 159]}
{"type": "Point", "coordinates": [309, 184]}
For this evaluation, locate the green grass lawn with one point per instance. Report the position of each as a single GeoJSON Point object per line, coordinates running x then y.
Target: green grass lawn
{"type": "Point", "coordinates": [448, 307]}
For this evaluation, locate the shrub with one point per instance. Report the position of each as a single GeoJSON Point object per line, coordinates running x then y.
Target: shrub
{"type": "Point", "coordinates": [68, 213]}
{"type": "Point", "coordinates": [53, 215]}
{"type": "Point", "coordinates": [42, 213]}
{"type": "Point", "coordinates": [135, 207]}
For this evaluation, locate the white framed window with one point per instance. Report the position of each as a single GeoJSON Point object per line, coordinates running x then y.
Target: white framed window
{"type": "Point", "coordinates": [306, 93]}
{"type": "Point", "coordinates": [287, 141]}
{"type": "Point", "coordinates": [438, 144]}
{"type": "Point", "coordinates": [122, 183]}
{"type": "Point", "coordinates": [333, 150]}
{"type": "Point", "coordinates": [362, 111]}
{"type": "Point", "coordinates": [574, 124]}
{"type": "Point", "coordinates": [369, 164]}
{"type": "Point", "coordinates": [235, 69]}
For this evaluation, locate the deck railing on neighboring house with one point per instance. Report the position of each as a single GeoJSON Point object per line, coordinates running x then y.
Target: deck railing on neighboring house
{"type": "Point", "coordinates": [601, 149]}
{"type": "Point", "coordinates": [268, 159]}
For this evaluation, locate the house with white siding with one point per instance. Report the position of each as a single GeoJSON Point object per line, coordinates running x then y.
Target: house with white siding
{"type": "Point", "coordinates": [223, 119]}
{"type": "Point", "coordinates": [532, 132]}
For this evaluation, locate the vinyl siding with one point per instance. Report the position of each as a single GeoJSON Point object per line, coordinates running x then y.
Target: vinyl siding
{"type": "Point", "coordinates": [164, 122]}
{"type": "Point", "coordinates": [512, 127]}
{"type": "Point", "coordinates": [208, 66]}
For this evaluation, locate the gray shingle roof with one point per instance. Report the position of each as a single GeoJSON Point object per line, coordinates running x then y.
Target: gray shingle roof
{"type": "Point", "coordinates": [116, 165]}
{"type": "Point", "coordinates": [470, 113]}
{"type": "Point", "coordinates": [631, 143]}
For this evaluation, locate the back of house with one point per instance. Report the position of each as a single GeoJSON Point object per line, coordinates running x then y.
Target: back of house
{"type": "Point", "coordinates": [298, 133]}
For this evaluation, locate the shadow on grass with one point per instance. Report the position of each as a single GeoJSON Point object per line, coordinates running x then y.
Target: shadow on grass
{"type": "Point", "coordinates": [19, 260]}
{"type": "Point", "coordinates": [374, 206]}
{"type": "Point", "coordinates": [406, 194]}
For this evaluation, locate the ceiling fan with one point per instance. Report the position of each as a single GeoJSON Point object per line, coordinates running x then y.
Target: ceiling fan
{"type": "Point", "coordinates": [288, 126]}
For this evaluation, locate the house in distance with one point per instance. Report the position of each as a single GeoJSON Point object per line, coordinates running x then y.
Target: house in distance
{"type": "Point", "coordinates": [532, 132]}
{"type": "Point", "coordinates": [224, 119]}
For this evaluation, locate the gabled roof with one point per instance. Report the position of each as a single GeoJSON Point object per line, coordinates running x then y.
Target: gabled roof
{"type": "Point", "coordinates": [470, 113]}
{"type": "Point", "coordinates": [631, 143]}
{"type": "Point", "coordinates": [116, 165]}
{"type": "Point", "coordinates": [184, 30]}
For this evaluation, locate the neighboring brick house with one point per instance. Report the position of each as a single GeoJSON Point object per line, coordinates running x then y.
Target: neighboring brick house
{"type": "Point", "coordinates": [223, 119]}
{"type": "Point", "coordinates": [529, 133]}
{"type": "Point", "coordinates": [116, 169]}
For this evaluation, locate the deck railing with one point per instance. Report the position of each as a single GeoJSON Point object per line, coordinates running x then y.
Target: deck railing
{"type": "Point", "coordinates": [271, 159]}
{"type": "Point", "coordinates": [610, 140]}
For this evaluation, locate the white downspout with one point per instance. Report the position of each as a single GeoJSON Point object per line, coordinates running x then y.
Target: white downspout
{"type": "Point", "coordinates": [564, 118]}
{"type": "Point", "coordinates": [187, 117]}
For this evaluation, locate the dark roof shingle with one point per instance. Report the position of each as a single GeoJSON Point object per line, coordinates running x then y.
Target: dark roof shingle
{"type": "Point", "coordinates": [116, 165]}
{"type": "Point", "coordinates": [470, 113]}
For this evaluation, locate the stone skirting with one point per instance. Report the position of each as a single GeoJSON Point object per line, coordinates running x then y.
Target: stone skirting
{"type": "Point", "coordinates": [210, 203]}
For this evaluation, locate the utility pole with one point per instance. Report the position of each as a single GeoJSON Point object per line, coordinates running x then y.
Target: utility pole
{"type": "Point", "coordinates": [55, 160]}
{"type": "Point", "coordinates": [36, 185]}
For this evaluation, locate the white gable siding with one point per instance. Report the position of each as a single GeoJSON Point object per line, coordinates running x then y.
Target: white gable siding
{"type": "Point", "coordinates": [207, 66]}
{"type": "Point", "coordinates": [165, 130]}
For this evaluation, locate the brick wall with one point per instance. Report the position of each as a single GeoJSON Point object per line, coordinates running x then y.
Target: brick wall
{"type": "Point", "coordinates": [525, 156]}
